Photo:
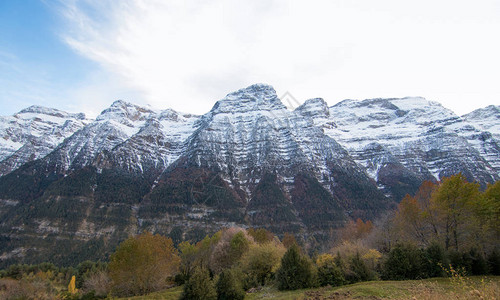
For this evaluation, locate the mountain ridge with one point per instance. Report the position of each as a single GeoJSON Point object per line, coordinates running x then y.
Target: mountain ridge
{"type": "Point", "coordinates": [249, 162]}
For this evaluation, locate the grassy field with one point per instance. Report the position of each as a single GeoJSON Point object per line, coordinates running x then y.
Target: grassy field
{"type": "Point", "coordinates": [437, 288]}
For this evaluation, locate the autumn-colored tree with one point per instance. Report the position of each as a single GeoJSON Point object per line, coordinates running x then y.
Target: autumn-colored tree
{"type": "Point", "coordinates": [143, 264]}
{"type": "Point", "coordinates": [261, 262]}
{"type": "Point", "coordinates": [488, 211]}
{"type": "Point", "coordinates": [261, 235]}
{"type": "Point", "coordinates": [454, 200]}
{"type": "Point", "coordinates": [289, 240]}
{"type": "Point", "coordinates": [355, 230]}
{"type": "Point", "coordinates": [233, 243]}
{"type": "Point", "coordinates": [72, 286]}
{"type": "Point", "coordinates": [410, 221]}
{"type": "Point", "coordinates": [429, 215]}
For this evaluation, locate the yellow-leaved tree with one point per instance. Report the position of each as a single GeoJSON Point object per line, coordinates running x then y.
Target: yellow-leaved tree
{"type": "Point", "coordinates": [72, 285]}
{"type": "Point", "coordinates": [143, 264]}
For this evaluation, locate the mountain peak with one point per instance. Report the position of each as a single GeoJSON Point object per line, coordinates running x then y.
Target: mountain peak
{"type": "Point", "coordinates": [37, 109]}
{"type": "Point", "coordinates": [257, 97]}
{"type": "Point", "coordinates": [124, 110]}
{"type": "Point", "coordinates": [314, 107]}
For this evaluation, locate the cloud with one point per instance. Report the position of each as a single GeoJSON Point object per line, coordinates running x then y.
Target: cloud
{"type": "Point", "coordinates": [188, 54]}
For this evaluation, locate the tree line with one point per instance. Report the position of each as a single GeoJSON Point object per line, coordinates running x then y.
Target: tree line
{"type": "Point", "coordinates": [449, 226]}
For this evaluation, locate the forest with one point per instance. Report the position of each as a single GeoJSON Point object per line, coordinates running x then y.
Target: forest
{"type": "Point", "coordinates": [447, 229]}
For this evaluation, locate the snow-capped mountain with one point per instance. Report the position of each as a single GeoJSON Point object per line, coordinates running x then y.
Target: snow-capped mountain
{"type": "Point", "coordinates": [33, 133]}
{"type": "Point", "coordinates": [127, 136]}
{"type": "Point", "coordinates": [410, 138]}
{"type": "Point", "coordinates": [249, 161]}
{"type": "Point", "coordinates": [486, 119]}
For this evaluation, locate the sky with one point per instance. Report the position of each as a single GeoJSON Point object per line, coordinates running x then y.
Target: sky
{"type": "Point", "coordinates": [81, 55]}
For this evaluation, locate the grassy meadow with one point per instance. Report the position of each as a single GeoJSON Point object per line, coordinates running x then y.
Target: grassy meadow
{"type": "Point", "coordinates": [475, 287]}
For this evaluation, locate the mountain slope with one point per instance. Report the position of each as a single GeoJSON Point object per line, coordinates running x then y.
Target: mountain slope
{"type": "Point", "coordinates": [401, 142]}
{"type": "Point", "coordinates": [34, 132]}
{"type": "Point", "coordinates": [249, 161]}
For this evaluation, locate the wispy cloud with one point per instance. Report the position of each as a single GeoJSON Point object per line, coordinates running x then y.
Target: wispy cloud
{"type": "Point", "coordinates": [187, 54]}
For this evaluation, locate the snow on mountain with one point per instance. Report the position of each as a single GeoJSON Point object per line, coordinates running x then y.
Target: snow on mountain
{"type": "Point", "coordinates": [250, 132]}
{"type": "Point", "coordinates": [160, 141]}
{"type": "Point", "coordinates": [128, 136]}
{"type": "Point", "coordinates": [486, 119]}
{"type": "Point", "coordinates": [34, 132]}
{"type": "Point", "coordinates": [420, 135]}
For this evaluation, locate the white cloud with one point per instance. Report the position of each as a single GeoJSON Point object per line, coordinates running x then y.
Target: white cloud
{"type": "Point", "coordinates": [188, 54]}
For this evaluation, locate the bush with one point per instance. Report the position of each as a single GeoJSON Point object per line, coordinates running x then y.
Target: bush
{"type": "Point", "coordinates": [358, 270]}
{"type": "Point", "coordinates": [98, 284]}
{"type": "Point", "coordinates": [494, 262]}
{"type": "Point", "coordinates": [199, 287]}
{"type": "Point", "coordinates": [435, 260]}
{"type": "Point", "coordinates": [328, 272]}
{"type": "Point", "coordinates": [296, 271]}
{"type": "Point", "coordinates": [143, 264]}
{"type": "Point", "coordinates": [404, 261]}
{"type": "Point", "coordinates": [475, 262]}
{"type": "Point", "coordinates": [261, 262]}
{"type": "Point", "coordinates": [229, 286]}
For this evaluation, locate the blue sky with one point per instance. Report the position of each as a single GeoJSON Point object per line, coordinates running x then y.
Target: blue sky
{"type": "Point", "coordinates": [36, 66]}
{"type": "Point", "coordinates": [81, 55]}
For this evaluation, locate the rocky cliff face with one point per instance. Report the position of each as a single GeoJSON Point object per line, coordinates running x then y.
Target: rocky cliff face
{"type": "Point", "coordinates": [87, 184]}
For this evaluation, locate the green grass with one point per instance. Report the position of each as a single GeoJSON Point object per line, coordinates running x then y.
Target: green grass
{"type": "Point", "coordinates": [170, 294]}
{"type": "Point", "coordinates": [435, 288]}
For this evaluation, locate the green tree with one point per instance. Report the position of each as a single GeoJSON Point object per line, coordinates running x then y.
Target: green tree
{"type": "Point", "coordinates": [143, 264]}
{"type": "Point", "coordinates": [404, 261]}
{"type": "Point", "coordinates": [328, 272]}
{"type": "Point", "coordinates": [199, 287]}
{"type": "Point", "coordinates": [358, 270]}
{"type": "Point", "coordinates": [229, 286]}
{"type": "Point", "coordinates": [296, 271]}
{"type": "Point", "coordinates": [434, 260]}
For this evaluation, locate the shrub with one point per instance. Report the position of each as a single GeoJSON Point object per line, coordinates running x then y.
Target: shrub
{"type": "Point", "coordinates": [476, 264]}
{"type": "Point", "coordinates": [435, 260]}
{"type": "Point", "coordinates": [98, 284]}
{"type": "Point", "coordinates": [358, 270]}
{"type": "Point", "coordinates": [296, 271]}
{"type": "Point", "coordinates": [199, 287]}
{"type": "Point", "coordinates": [229, 286]}
{"type": "Point", "coordinates": [328, 272]}
{"type": "Point", "coordinates": [404, 261]}
{"type": "Point", "coordinates": [494, 262]}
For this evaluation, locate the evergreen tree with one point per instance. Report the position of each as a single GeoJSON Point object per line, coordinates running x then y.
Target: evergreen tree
{"type": "Point", "coordinates": [494, 262]}
{"type": "Point", "coordinates": [358, 271]}
{"type": "Point", "coordinates": [404, 261]}
{"type": "Point", "coordinates": [435, 260]}
{"type": "Point", "coordinates": [229, 286]}
{"type": "Point", "coordinates": [296, 271]}
{"type": "Point", "coordinates": [199, 287]}
{"type": "Point", "coordinates": [328, 272]}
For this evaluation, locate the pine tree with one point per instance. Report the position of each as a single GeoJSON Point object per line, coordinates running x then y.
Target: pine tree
{"type": "Point", "coordinates": [296, 271]}
{"type": "Point", "coordinates": [199, 287]}
{"type": "Point", "coordinates": [229, 286]}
